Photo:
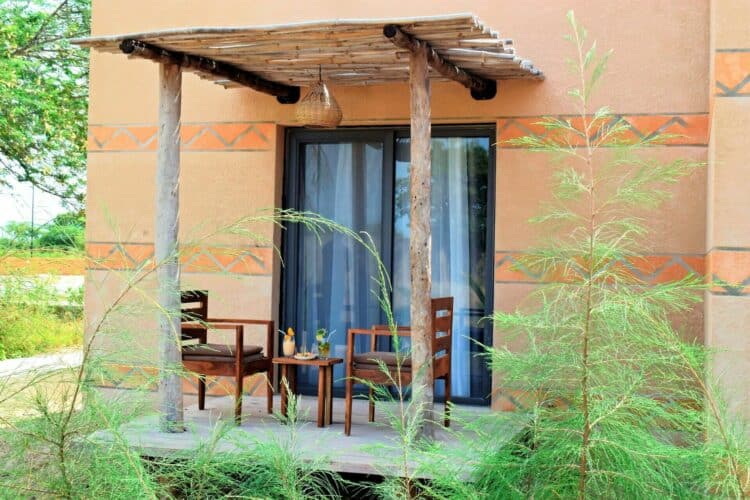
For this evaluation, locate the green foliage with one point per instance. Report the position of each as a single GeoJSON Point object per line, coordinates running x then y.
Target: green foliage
{"type": "Point", "coordinates": [35, 318]}
{"type": "Point", "coordinates": [615, 395]}
{"type": "Point", "coordinates": [639, 445]}
{"type": "Point", "coordinates": [44, 94]}
{"type": "Point", "coordinates": [18, 235]}
{"type": "Point", "coordinates": [58, 453]}
{"type": "Point", "coordinates": [66, 232]}
{"type": "Point", "coordinates": [273, 468]}
{"type": "Point", "coordinates": [51, 455]}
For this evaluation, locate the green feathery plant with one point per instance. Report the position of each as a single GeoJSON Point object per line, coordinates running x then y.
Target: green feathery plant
{"type": "Point", "coordinates": [616, 395]}
{"type": "Point", "coordinates": [417, 467]}
{"type": "Point", "coordinates": [414, 455]}
{"type": "Point", "coordinates": [58, 453]}
{"type": "Point", "coordinates": [405, 445]}
{"type": "Point", "coordinates": [273, 466]}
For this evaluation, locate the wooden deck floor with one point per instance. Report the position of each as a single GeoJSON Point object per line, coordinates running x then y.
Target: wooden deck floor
{"type": "Point", "coordinates": [369, 450]}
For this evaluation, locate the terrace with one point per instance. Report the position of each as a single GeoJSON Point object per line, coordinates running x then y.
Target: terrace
{"type": "Point", "coordinates": [277, 60]}
{"type": "Point", "coordinates": [372, 449]}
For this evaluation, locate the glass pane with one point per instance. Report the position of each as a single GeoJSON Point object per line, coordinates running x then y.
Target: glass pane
{"type": "Point", "coordinates": [342, 182]}
{"type": "Point", "coordinates": [460, 180]}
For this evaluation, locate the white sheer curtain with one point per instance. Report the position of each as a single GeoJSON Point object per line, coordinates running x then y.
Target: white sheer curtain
{"type": "Point", "coordinates": [459, 183]}
{"type": "Point", "coordinates": [342, 182]}
{"type": "Point", "coordinates": [451, 257]}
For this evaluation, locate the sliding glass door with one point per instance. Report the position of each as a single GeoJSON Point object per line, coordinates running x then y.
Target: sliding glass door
{"type": "Point", "coordinates": [460, 180]}
{"type": "Point", "coordinates": [360, 179]}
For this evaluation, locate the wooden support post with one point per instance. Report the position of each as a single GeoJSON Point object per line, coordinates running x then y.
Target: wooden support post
{"type": "Point", "coordinates": [420, 243]}
{"type": "Point", "coordinates": [165, 238]}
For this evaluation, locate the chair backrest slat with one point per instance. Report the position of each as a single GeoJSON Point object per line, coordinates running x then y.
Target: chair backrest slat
{"type": "Point", "coordinates": [442, 326]}
{"type": "Point", "coordinates": [194, 305]}
{"type": "Point", "coordinates": [194, 309]}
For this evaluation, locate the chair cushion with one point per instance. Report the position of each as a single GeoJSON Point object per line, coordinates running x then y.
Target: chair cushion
{"type": "Point", "coordinates": [367, 360]}
{"type": "Point", "coordinates": [221, 359]}
{"type": "Point", "coordinates": [218, 350]}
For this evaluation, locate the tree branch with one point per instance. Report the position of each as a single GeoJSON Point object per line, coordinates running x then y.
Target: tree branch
{"type": "Point", "coordinates": [22, 50]}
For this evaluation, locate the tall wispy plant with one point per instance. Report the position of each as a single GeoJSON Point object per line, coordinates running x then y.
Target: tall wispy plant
{"type": "Point", "coordinates": [616, 396]}
{"type": "Point", "coordinates": [55, 453]}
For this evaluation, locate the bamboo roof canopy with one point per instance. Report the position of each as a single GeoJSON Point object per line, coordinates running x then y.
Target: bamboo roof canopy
{"type": "Point", "coordinates": [344, 52]}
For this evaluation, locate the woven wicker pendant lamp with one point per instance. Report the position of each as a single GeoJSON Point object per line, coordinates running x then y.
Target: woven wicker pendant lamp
{"type": "Point", "coordinates": [319, 108]}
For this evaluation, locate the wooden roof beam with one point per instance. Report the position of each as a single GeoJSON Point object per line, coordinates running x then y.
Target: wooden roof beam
{"type": "Point", "coordinates": [285, 94]}
{"type": "Point", "coordinates": [481, 88]}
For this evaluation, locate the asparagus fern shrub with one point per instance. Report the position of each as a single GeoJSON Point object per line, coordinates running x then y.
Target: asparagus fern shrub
{"type": "Point", "coordinates": [616, 397]}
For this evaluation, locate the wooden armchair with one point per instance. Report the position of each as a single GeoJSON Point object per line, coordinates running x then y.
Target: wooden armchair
{"type": "Point", "coordinates": [365, 366]}
{"type": "Point", "coordinates": [237, 360]}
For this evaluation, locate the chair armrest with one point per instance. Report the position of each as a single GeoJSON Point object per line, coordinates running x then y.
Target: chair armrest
{"type": "Point", "coordinates": [200, 330]}
{"type": "Point", "coordinates": [350, 344]}
{"type": "Point", "coordinates": [241, 321]}
{"type": "Point", "coordinates": [402, 331]}
{"type": "Point", "coordinates": [228, 323]}
{"type": "Point", "coordinates": [373, 332]}
{"type": "Point", "coordinates": [358, 331]}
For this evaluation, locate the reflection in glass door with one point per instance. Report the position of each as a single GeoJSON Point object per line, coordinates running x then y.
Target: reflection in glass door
{"type": "Point", "coordinates": [360, 179]}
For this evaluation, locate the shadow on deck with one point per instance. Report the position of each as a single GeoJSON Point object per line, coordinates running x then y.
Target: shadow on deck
{"type": "Point", "coordinates": [371, 448]}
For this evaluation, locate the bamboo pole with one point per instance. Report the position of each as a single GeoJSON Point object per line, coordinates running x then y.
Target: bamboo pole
{"type": "Point", "coordinates": [285, 94]}
{"type": "Point", "coordinates": [420, 243]}
{"type": "Point", "coordinates": [165, 229]}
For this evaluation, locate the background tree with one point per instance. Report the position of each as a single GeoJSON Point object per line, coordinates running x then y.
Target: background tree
{"type": "Point", "coordinates": [44, 95]}
{"type": "Point", "coordinates": [64, 232]}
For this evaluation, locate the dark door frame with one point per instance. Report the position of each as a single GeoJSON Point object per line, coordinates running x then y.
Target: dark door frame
{"type": "Point", "coordinates": [292, 184]}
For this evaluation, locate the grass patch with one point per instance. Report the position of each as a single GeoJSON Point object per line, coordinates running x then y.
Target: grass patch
{"type": "Point", "coordinates": [35, 318]}
{"type": "Point", "coordinates": [28, 331]}
{"type": "Point", "coordinates": [42, 252]}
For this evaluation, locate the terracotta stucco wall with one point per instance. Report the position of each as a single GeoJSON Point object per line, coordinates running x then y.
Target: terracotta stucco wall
{"type": "Point", "coordinates": [728, 235]}
{"type": "Point", "coordinates": [233, 138]}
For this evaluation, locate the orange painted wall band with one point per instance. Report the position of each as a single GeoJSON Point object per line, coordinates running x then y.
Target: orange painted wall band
{"type": "Point", "coordinates": [678, 129]}
{"type": "Point", "coordinates": [732, 73]}
{"type": "Point", "coordinates": [729, 270]}
{"type": "Point", "coordinates": [254, 261]}
{"type": "Point", "coordinates": [660, 268]}
{"type": "Point", "coordinates": [122, 376]}
{"type": "Point", "coordinates": [195, 137]}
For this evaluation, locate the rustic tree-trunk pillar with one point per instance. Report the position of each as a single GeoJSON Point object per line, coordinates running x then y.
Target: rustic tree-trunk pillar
{"type": "Point", "coordinates": [165, 239]}
{"type": "Point", "coordinates": [420, 245]}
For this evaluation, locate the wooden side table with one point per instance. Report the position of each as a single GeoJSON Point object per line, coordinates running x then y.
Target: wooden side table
{"type": "Point", "coordinates": [325, 383]}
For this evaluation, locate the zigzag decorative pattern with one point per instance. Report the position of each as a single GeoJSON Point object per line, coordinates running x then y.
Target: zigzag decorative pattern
{"type": "Point", "coordinates": [729, 269]}
{"type": "Point", "coordinates": [732, 72]}
{"type": "Point", "coordinates": [685, 129]}
{"type": "Point", "coordinates": [120, 376]}
{"type": "Point", "coordinates": [255, 261]}
{"type": "Point", "coordinates": [238, 136]}
{"type": "Point", "coordinates": [650, 269]}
